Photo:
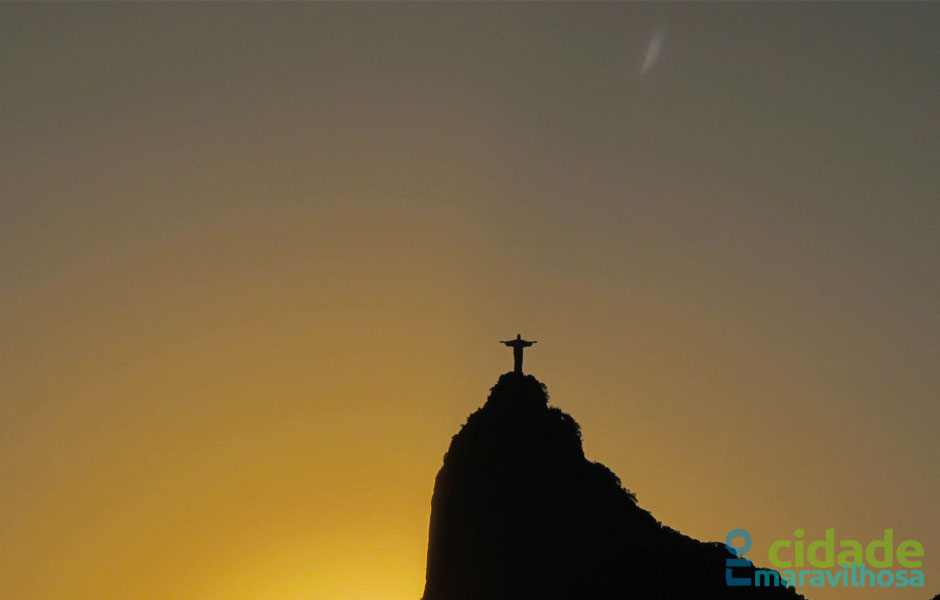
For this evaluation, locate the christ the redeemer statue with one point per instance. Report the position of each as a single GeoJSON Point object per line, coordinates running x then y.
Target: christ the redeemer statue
{"type": "Point", "coordinates": [517, 345]}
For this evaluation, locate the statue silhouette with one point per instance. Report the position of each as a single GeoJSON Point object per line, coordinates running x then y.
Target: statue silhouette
{"type": "Point", "coordinates": [517, 345]}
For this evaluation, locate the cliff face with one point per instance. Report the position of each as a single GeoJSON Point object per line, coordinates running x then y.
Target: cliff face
{"type": "Point", "coordinates": [519, 512]}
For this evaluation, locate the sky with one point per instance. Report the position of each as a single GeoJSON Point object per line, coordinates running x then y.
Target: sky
{"type": "Point", "coordinates": [255, 261]}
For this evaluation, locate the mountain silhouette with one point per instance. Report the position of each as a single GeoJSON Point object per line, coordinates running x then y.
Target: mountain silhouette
{"type": "Point", "coordinates": [519, 512]}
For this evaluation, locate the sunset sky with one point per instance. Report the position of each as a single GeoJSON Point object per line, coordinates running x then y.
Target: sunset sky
{"type": "Point", "coordinates": [255, 261]}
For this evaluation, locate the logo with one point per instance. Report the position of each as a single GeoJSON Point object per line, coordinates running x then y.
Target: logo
{"type": "Point", "coordinates": [823, 562]}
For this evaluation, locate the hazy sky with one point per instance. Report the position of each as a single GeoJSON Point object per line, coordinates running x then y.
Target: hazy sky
{"type": "Point", "coordinates": [256, 259]}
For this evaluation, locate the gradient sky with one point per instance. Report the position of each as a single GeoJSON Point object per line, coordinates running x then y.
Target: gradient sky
{"type": "Point", "coordinates": [256, 259]}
